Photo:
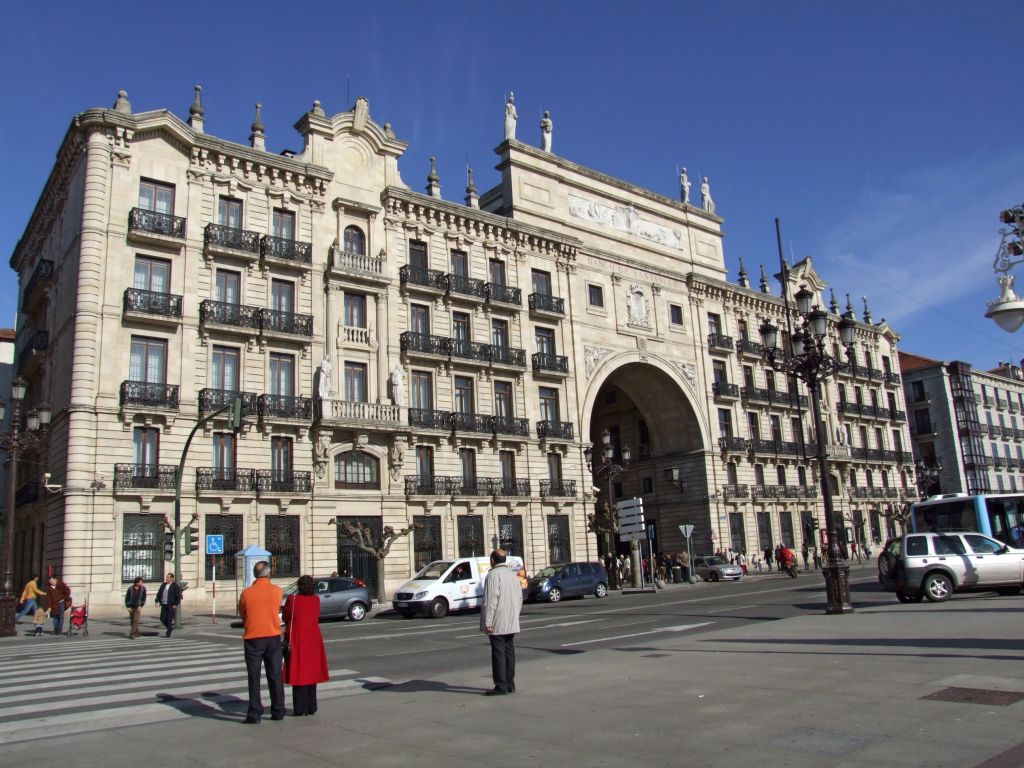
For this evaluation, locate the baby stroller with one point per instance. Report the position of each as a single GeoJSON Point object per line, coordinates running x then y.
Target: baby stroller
{"type": "Point", "coordinates": [79, 621]}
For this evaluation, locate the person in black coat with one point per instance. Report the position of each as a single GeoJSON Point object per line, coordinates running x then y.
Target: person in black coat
{"type": "Point", "coordinates": [169, 598]}
{"type": "Point", "coordinates": [134, 600]}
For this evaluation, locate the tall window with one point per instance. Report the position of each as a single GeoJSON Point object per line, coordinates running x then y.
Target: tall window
{"type": "Point", "coordinates": [714, 323]}
{"type": "Point", "coordinates": [229, 212]}
{"type": "Point", "coordinates": [754, 426]}
{"type": "Point", "coordinates": [426, 540]}
{"type": "Point", "coordinates": [282, 542]}
{"type": "Point", "coordinates": [421, 390]}
{"type": "Point", "coordinates": [282, 374]}
{"type": "Point", "coordinates": [776, 424]}
{"type": "Point", "coordinates": [355, 310]}
{"type": "Point", "coordinates": [460, 326]}
{"type": "Point", "coordinates": [675, 314]}
{"type": "Point", "coordinates": [282, 296]}
{"type": "Point", "coordinates": [780, 472]}
{"type": "Point", "coordinates": [499, 333]}
{"type": "Point", "coordinates": [541, 282]}
{"type": "Point", "coordinates": [425, 462]}
{"type": "Point", "coordinates": [798, 433]}
{"type": "Point", "coordinates": [142, 548]}
{"type": "Point", "coordinates": [148, 360]}
{"type": "Point", "coordinates": [418, 254]}
{"type": "Point", "coordinates": [355, 382]}
{"type": "Point", "coordinates": [496, 270]}
{"type": "Point", "coordinates": [152, 275]}
{"type": "Point", "coordinates": [463, 394]}
{"type": "Point", "coordinates": [281, 459]}
{"type": "Point", "coordinates": [467, 465]}
{"type": "Point", "coordinates": [154, 196]}
{"type": "Point", "coordinates": [724, 422]}
{"type": "Point", "coordinates": [471, 536]}
{"type": "Point", "coordinates": [419, 319]}
{"type": "Point", "coordinates": [508, 465]}
{"type": "Point", "coordinates": [595, 295]}
{"type": "Point", "coordinates": [229, 286]}
{"type": "Point", "coordinates": [748, 377]}
{"type": "Point", "coordinates": [284, 224]}
{"type": "Point", "coordinates": [225, 369]}
{"type": "Point", "coordinates": [510, 534]}
{"type": "Point", "coordinates": [758, 474]}
{"type": "Point", "coordinates": [503, 398]}
{"type": "Point", "coordinates": [548, 404]}
{"type": "Point", "coordinates": [224, 455]}
{"type": "Point", "coordinates": [460, 263]}
{"type": "Point", "coordinates": [545, 340]}
{"type": "Point", "coordinates": [718, 368]}
{"type": "Point", "coordinates": [146, 452]}
{"type": "Point", "coordinates": [555, 468]}
{"type": "Point", "coordinates": [356, 470]}
{"type": "Point", "coordinates": [355, 240]}
{"type": "Point", "coordinates": [769, 380]}
{"type": "Point", "coordinates": [558, 539]}
{"type": "Point", "coordinates": [801, 476]}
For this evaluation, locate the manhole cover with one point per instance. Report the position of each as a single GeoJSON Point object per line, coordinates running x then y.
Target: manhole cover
{"type": "Point", "coordinates": [976, 696]}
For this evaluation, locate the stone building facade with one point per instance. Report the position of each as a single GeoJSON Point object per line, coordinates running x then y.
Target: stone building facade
{"type": "Point", "coordinates": [405, 360]}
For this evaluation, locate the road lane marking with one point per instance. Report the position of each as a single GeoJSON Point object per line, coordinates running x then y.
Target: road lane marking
{"type": "Point", "coordinates": [734, 608]}
{"type": "Point", "coordinates": [681, 628]}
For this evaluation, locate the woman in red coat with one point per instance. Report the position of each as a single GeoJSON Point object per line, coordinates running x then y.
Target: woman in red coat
{"type": "Point", "coordinates": [307, 660]}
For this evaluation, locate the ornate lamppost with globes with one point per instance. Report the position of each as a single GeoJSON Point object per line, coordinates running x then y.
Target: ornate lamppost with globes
{"type": "Point", "coordinates": [927, 477]}
{"type": "Point", "coordinates": [26, 432]}
{"type": "Point", "coordinates": [808, 361]}
{"type": "Point", "coordinates": [605, 465]}
{"type": "Point", "coordinates": [1008, 309]}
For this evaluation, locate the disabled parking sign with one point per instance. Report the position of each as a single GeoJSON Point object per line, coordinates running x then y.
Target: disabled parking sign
{"type": "Point", "coordinates": [215, 544]}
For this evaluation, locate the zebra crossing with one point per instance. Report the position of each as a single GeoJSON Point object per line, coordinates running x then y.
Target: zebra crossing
{"type": "Point", "coordinates": [52, 685]}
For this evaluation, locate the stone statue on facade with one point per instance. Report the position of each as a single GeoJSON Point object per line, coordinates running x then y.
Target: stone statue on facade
{"type": "Point", "coordinates": [705, 196]}
{"type": "Point", "coordinates": [396, 457]}
{"type": "Point", "coordinates": [398, 386]}
{"type": "Point", "coordinates": [510, 117]}
{"type": "Point", "coordinates": [637, 311]}
{"type": "Point", "coordinates": [324, 382]}
{"type": "Point", "coordinates": [685, 184]}
{"type": "Point", "coordinates": [321, 451]}
{"type": "Point", "coordinates": [545, 132]}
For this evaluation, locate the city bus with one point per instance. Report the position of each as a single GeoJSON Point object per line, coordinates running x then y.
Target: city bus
{"type": "Point", "coordinates": [999, 515]}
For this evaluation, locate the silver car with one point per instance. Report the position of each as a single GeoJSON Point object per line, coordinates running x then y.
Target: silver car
{"type": "Point", "coordinates": [714, 568]}
{"type": "Point", "coordinates": [340, 597]}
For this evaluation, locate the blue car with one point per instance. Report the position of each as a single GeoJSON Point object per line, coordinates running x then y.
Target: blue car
{"type": "Point", "coordinates": [568, 580]}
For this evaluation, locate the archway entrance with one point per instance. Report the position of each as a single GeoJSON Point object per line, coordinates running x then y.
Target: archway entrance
{"type": "Point", "coordinates": [645, 408]}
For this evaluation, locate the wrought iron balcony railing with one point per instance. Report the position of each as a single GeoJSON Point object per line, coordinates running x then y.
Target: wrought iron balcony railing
{"type": "Point", "coordinates": [152, 302]}
{"type": "Point", "coordinates": [426, 278]}
{"type": "Point", "coordinates": [286, 250]}
{"type": "Point", "coordinates": [276, 321]}
{"type": "Point", "coordinates": [226, 313]}
{"type": "Point", "coordinates": [748, 347]}
{"type": "Point", "coordinates": [545, 361]}
{"type": "Point", "coordinates": [153, 223]}
{"type": "Point", "coordinates": [214, 399]}
{"type": "Point", "coordinates": [560, 488]}
{"type": "Point", "coordinates": [219, 236]}
{"type": "Point", "coordinates": [755, 395]}
{"type": "Point", "coordinates": [555, 430]}
{"type": "Point", "coordinates": [510, 425]}
{"type": "Point", "coordinates": [474, 486]}
{"type": "Point", "coordinates": [283, 481]}
{"type": "Point", "coordinates": [424, 343]}
{"type": "Point", "coordinates": [471, 422]}
{"type": "Point", "coordinates": [41, 275]}
{"type": "Point", "coordinates": [504, 294]}
{"type": "Point", "coordinates": [426, 418]}
{"type": "Point", "coordinates": [721, 342]}
{"type": "Point", "coordinates": [463, 349]}
{"type": "Point", "coordinates": [542, 302]}
{"type": "Point", "coordinates": [734, 444]}
{"type": "Point", "coordinates": [897, 416]}
{"type": "Point", "coordinates": [285, 407]}
{"type": "Point", "coordinates": [147, 476]}
{"type": "Point", "coordinates": [766, 491]}
{"type": "Point", "coordinates": [733, 491]}
{"type": "Point", "coordinates": [510, 486]}
{"type": "Point", "coordinates": [429, 485]}
{"type": "Point", "coordinates": [466, 286]}
{"type": "Point", "coordinates": [507, 355]}
{"type": "Point", "coordinates": [725, 389]}
{"type": "Point", "coordinates": [892, 378]}
{"type": "Point", "coordinates": [225, 479]}
{"type": "Point", "coordinates": [147, 394]}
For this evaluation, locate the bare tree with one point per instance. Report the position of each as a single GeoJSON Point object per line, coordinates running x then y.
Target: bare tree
{"type": "Point", "coordinates": [366, 540]}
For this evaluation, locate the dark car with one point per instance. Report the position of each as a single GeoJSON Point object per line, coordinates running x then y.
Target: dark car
{"type": "Point", "coordinates": [339, 597]}
{"type": "Point", "coordinates": [568, 580]}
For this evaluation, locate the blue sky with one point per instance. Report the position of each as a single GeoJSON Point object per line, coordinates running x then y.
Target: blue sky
{"type": "Point", "coordinates": [885, 135]}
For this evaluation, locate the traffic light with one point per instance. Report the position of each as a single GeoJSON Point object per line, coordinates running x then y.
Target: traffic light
{"type": "Point", "coordinates": [168, 546]}
{"type": "Point", "coordinates": [190, 540]}
{"type": "Point", "coordinates": [235, 414]}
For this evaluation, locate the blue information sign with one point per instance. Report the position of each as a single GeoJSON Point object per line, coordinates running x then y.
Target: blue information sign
{"type": "Point", "coordinates": [215, 544]}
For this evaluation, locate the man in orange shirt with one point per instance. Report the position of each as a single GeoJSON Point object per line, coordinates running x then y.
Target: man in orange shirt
{"type": "Point", "coordinates": [260, 607]}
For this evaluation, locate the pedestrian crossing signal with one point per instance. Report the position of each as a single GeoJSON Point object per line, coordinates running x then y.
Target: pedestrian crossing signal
{"type": "Point", "coordinates": [168, 546]}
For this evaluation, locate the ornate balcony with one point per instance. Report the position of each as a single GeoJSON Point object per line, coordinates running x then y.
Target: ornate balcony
{"type": "Point", "coordinates": [725, 389]}
{"type": "Point", "coordinates": [230, 316]}
{"type": "Point", "coordinates": [360, 414]}
{"type": "Point", "coordinates": [150, 226]}
{"type": "Point", "coordinates": [897, 416]}
{"type": "Point", "coordinates": [162, 477]}
{"type": "Point", "coordinates": [788, 399]}
{"type": "Point", "coordinates": [33, 293]}
{"type": "Point", "coordinates": [767, 491]}
{"type": "Point", "coordinates": [147, 394]}
{"type": "Point", "coordinates": [558, 489]}
{"type": "Point", "coordinates": [462, 349]}
{"type": "Point", "coordinates": [34, 349]}
{"type": "Point", "coordinates": [228, 241]}
{"type": "Point", "coordinates": [215, 399]}
{"type": "Point", "coordinates": [511, 487]}
{"type": "Point", "coordinates": [718, 342]}
{"type": "Point", "coordinates": [421, 485]}
{"type": "Point", "coordinates": [432, 280]}
{"type": "Point", "coordinates": [274, 322]}
{"type": "Point", "coordinates": [424, 344]}
{"type": "Point", "coordinates": [355, 335]}
{"type": "Point", "coordinates": [759, 445]}
{"type": "Point", "coordinates": [733, 491]}
{"type": "Point", "coordinates": [542, 304]}
{"type": "Point", "coordinates": [225, 479]}
{"type": "Point", "coordinates": [756, 395]}
{"type": "Point", "coordinates": [552, 365]}
{"type": "Point", "coordinates": [471, 422]}
{"type": "Point", "coordinates": [466, 287]}
{"type": "Point", "coordinates": [474, 486]}
{"type": "Point", "coordinates": [733, 444]}
{"type": "Point", "coordinates": [507, 356]}
{"type": "Point", "coordinates": [751, 348]}
{"type": "Point", "coordinates": [286, 253]}
{"type": "Point", "coordinates": [284, 407]}
{"type": "Point", "coordinates": [152, 305]}
{"type": "Point", "coordinates": [510, 425]}
{"type": "Point", "coordinates": [892, 378]}
{"type": "Point", "coordinates": [424, 418]}
{"type": "Point", "coordinates": [349, 265]}
{"type": "Point", "coordinates": [274, 481]}
{"type": "Point", "coordinates": [555, 430]}
{"type": "Point", "coordinates": [504, 294]}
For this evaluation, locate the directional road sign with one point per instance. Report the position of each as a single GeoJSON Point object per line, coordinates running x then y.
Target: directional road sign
{"type": "Point", "coordinates": [630, 515]}
{"type": "Point", "coordinates": [636, 536]}
{"type": "Point", "coordinates": [686, 530]}
{"type": "Point", "coordinates": [215, 544]}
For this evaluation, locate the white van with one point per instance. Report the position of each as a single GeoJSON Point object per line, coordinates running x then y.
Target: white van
{"type": "Point", "coordinates": [447, 585]}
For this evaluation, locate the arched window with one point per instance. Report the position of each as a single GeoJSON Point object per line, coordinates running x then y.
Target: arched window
{"type": "Point", "coordinates": [355, 469]}
{"type": "Point", "coordinates": [355, 240]}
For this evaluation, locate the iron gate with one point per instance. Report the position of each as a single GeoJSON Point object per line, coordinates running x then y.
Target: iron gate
{"type": "Point", "coordinates": [471, 536]}
{"type": "Point", "coordinates": [354, 561]}
{"type": "Point", "coordinates": [427, 540]}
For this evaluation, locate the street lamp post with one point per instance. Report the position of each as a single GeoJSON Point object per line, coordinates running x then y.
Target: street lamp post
{"type": "Point", "coordinates": [20, 437]}
{"type": "Point", "coordinates": [1008, 309]}
{"type": "Point", "coordinates": [809, 362]}
{"type": "Point", "coordinates": [927, 477]}
{"type": "Point", "coordinates": [607, 466]}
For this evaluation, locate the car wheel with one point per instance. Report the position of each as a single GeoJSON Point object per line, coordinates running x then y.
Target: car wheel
{"type": "Point", "coordinates": [714, 576]}
{"type": "Point", "coordinates": [439, 608]}
{"type": "Point", "coordinates": [601, 590]}
{"type": "Point", "coordinates": [937, 587]}
{"type": "Point", "coordinates": [886, 564]}
{"type": "Point", "coordinates": [357, 612]}
{"type": "Point", "coordinates": [555, 595]}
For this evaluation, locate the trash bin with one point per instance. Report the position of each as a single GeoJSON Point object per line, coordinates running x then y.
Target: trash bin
{"type": "Point", "coordinates": [677, 574]}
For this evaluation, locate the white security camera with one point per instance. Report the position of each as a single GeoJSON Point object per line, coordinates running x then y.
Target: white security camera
{"type": "Point", "coordinates": [51, 487]}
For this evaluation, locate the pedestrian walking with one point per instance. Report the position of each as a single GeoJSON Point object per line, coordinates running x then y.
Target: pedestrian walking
{"type": "Point", "coordinates": [58, 597]}
{"type": "Point", "coordinates": [741, 561]}
{"type": "Point", "coordinates": [503, 600]}
{"type": "Point", "coordinates": [684, 560]}
{"type": "Point", "coordinates": [305, 663]}
{"type": "Point", "coordinates": [29, 594]}
{"type": "Point", "coordinates": [134, 601]}
{"type": "Point", "coordinates": [39, 619]}
{"type": "Point", "coordinates": [768, 557]}
{"type": "Point", "coordinates": [260, 606]}
{"type": "Point", "coordinates": [168, 597]}
{"type": "Point", "coordinates": [806, 556]}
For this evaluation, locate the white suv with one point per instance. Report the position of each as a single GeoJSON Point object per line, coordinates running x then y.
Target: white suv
{"type": "Point", "coordinates": [934, 565]}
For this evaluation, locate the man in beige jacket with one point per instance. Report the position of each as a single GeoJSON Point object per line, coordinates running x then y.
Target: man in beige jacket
{"type": "Point", "coordinates": [503, 600]}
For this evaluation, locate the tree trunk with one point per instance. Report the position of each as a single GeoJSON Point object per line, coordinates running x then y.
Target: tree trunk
{"type": "Point", "coordinates": [381, 593]}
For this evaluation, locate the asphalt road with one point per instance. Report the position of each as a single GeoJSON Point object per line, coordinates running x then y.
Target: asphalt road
{"type": "Point", "coordinates": [387, 645]}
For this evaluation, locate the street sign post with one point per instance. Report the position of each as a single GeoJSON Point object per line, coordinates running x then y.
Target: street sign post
{"type": "Point", "coordinates": [629, 514]}
{"type": "Point", "coordinates": [687, 531]}
{"type": "Point", "coordinates": [214, 547]}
